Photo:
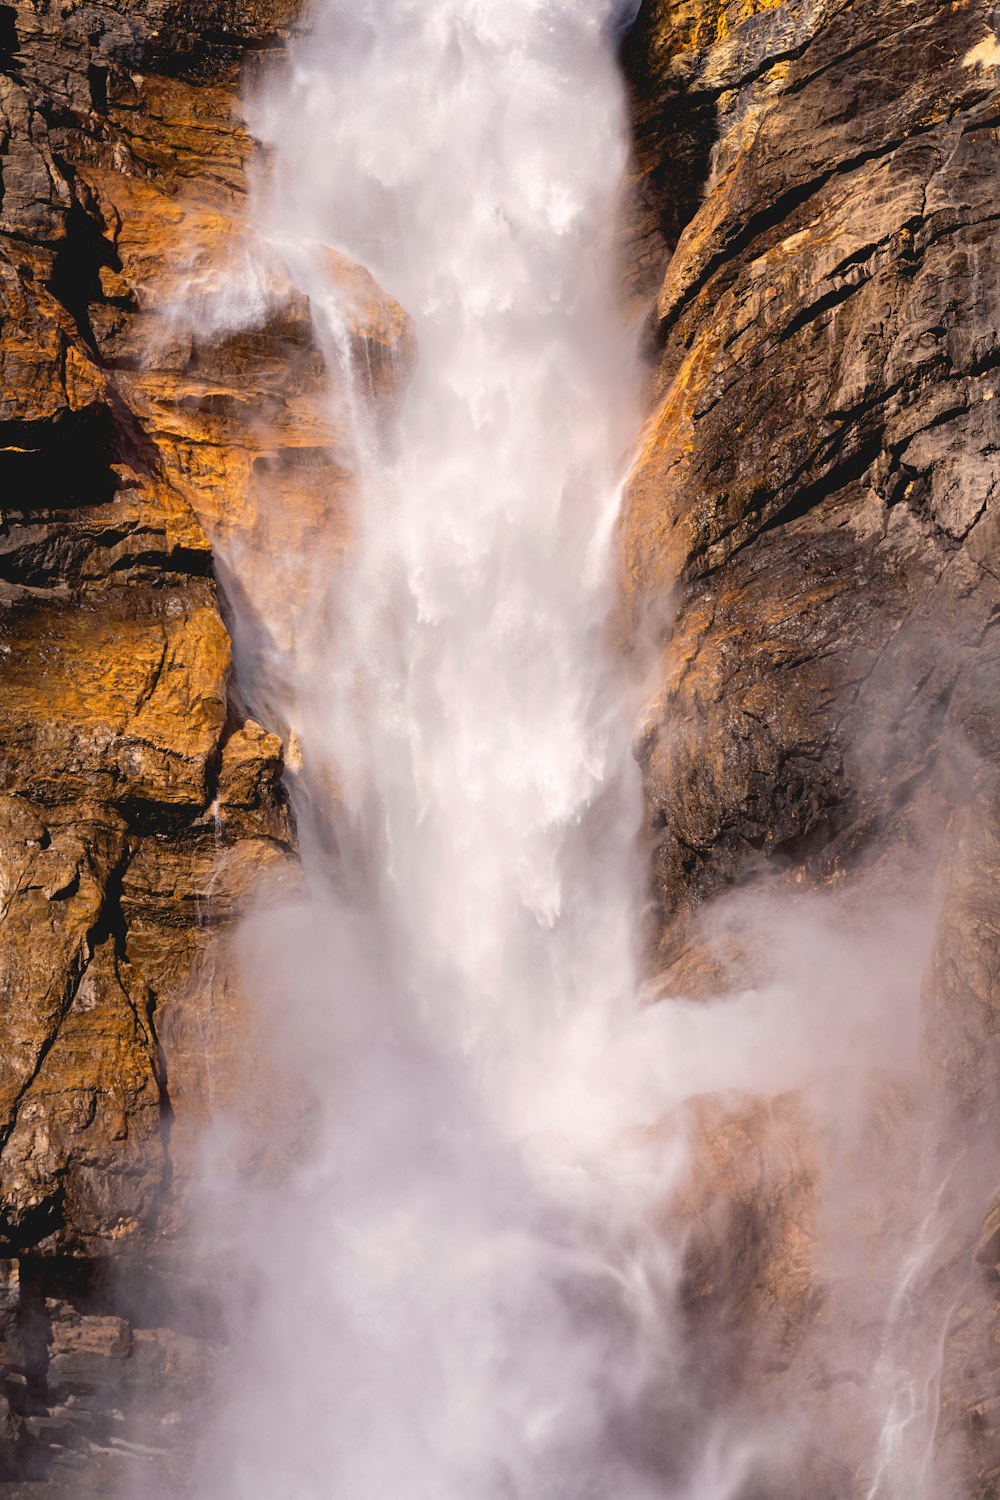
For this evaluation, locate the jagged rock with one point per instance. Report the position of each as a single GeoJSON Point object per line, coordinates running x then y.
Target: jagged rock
{"type": "Point", "coordinates": [815, 490]}
{"type": "Point", "coordinates": [141, 811]}
{"type": "Point", "coordinates": [825, 377]}
{"type": "Point", "coordinates": [810, 531]}
{"type": "Point", "coordinates": [814, 205]}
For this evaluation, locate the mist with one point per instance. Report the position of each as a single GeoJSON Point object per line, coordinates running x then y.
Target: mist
{"type": "Point", "coordinates": [463, 1272]}
{"type": "Point", "coordinates": [447, 1297]}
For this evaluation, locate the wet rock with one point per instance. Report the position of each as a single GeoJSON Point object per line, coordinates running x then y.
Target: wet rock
{"type": "Point", "coordinates": [140, 810]}
{"type": "Point", "coordinates": [809, 536]}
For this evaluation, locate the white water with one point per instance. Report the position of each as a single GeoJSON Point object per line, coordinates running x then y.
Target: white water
{"type": "Point", "coordinates": [466, 704]}
{"type": "Point", "coordinates": [454, 1290]}
{"type": "Point", "coordinates": [460, 1289]}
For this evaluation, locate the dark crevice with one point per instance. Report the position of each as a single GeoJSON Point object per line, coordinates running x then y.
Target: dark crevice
{"type": "Point", "coordinates": [865, 253]}
{"type": "Point", "coordinates": [157, 820]}
{"type": "Point", "coordinates": [63, 462]}
{"type": "Point", "coordinates": [97, 79]}
{"type": "Point", "coordinates": [851, 469]}
{"type": "Point", "coordinates": [110, 924]}
{"type": "Point", "coordinates": [939, 419]}
{"type": "Point", "coordinates": [34, 1334]}
{"type": "Point", "coordinates": [991, 122]}
{"type": "Point", "coordinates": [963, 226]}
{"type": "Point", "coordinates": [824, 304]}
{"type": "Point", "coordinates": [130, 442]}
{"type": "Point", "coordinates": [763, 222]}
{"type": "Point", "coordinates": [102, 1286]}
{"type": "Point", "coordinates": [673, 183]}
{"type": "Point", "coordinates": [201, 41]}
{"type": "Point", "coordinates": [75, 279]}
{"type": "Point", "coordinates": [774, 215]}
{"type": "Point", "coordinates": [40, 1222]}
{"type": "Point", "coordinates": [9, 41]}
{"type": "Point", "coordinates": [185, 562]}
{"type": "Point", "coordinates": [847, 472]}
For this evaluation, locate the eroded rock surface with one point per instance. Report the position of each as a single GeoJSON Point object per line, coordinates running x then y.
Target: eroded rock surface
{"type": "Point", "coordinates": [142, 420]}
{"type": "Point", "coordinates": [811, 534]}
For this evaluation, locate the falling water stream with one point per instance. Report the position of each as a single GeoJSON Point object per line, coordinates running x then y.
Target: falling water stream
{"type": "Point", "coordinates": [458, 1288]}
{"type": "Point", "coordinates": [453, 1301]}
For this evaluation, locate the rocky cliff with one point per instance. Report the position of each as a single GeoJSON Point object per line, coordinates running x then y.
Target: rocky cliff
{"type": "Point", "coordinates": [139, 801]}
{"type": "Point", "coordinates": [809, 536]}
{"type": "Point", "coordinates": [143, 422]}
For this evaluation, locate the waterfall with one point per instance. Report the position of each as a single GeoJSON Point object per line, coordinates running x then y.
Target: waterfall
{"type": "Point", "coordinates": [453, 1286]}
{"type": "Point", "coordinates": [510, 1245]}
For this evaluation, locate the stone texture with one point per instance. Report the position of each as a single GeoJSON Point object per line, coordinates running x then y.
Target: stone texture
{"type": "Point", "coordinates": [143, 421]}
{"type": "Point", "coordinates": [810, 537]}
{"type": "Point", "coordinates": [824, 431]}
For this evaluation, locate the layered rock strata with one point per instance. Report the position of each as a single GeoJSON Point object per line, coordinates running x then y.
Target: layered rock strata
{"type": "Point", "coordinates": [811, 536]}
{"type": "Point", "coordinates": [161, 394]}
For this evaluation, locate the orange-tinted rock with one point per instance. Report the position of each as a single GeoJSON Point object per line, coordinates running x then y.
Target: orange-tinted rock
{"type": "Point", "coordinates": [87, 1147]}
{"type": "Point", "coordinates": [98, 701]}
{"type": "Point", "coordinates": [164, 412]}
{"type": "Point", "coordinates": [815, 201]}
{"type": "Point", "coordinates": [144, 816]}
{"type": "Point", "coordinates": [816, 473]}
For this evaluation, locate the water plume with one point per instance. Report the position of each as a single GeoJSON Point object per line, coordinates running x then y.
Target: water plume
{"type": "Point", "coordinates": [464, 1279]}
{"type": "Point", "coordinates": [452, 1286]}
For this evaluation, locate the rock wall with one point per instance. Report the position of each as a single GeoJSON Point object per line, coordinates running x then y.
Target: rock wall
{"type": "Point", "coordinates": [816, 502]}
{"type": "Point", "coordinates": [140, 804]}
{"type": "Point", "coordinates": [163, 412]}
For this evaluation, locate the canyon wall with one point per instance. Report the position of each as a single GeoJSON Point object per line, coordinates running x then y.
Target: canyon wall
{"type": "Point", "coordinates": [811, 533]}
{"type": "Point", "coordinates": [140, 802]}
{"type": "Point", "coordinates": [809, 537]}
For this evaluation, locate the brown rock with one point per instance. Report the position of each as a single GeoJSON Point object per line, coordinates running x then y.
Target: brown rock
{"type": "Point", "coordinates": [821, 392]}
{"type": "Point", "coordinates": [143, 810]}
{"type": "Point", "coordinates": [809, 535]}
{"type": "Point", "coordinates": [95, 700]}
{"type": "Point", "coordinates": [749, 1209]}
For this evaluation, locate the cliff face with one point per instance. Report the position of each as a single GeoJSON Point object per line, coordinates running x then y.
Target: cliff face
{"type": "Point", "coordinates": [158, 385]}
{"type": "Point", "coordinates": [817, 201]}
{"type": "Point", "coordinates": [139, 803]}
{"type": "Point", "coordinates": [815, 211]}
{"type": "Point", "coordinates": [816, 482]}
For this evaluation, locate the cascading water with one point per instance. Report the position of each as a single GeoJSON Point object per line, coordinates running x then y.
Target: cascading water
{"type": "Point", "coordinates": [449, 1301]}
{"type": "Point", "coordinates": [460, 1285]}
{"type": "Point", "coordinates": [470, 157]}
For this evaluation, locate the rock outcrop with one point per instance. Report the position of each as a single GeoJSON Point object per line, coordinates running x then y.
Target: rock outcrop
{"type": "Point", "coordinates": [816, 206]}
{"type": "Point", "coordinates": [810, 535]}
{"type": "Point", "coordinates": [144, 422]}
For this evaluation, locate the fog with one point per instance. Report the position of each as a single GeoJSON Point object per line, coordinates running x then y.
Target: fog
{"type": "Point", "coordinates": [462, 1275]}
